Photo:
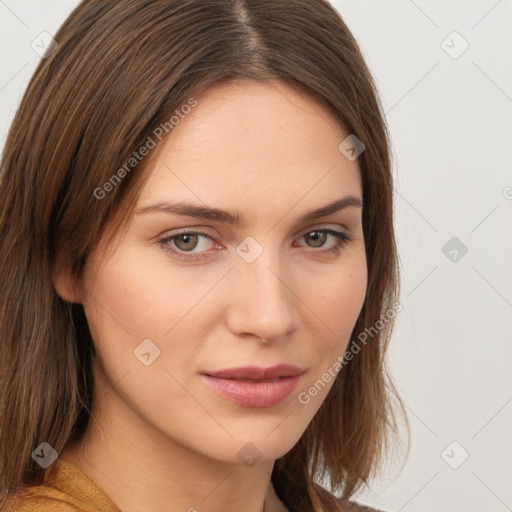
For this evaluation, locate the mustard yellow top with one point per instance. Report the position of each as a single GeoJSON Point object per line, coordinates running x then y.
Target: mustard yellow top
{"type": "Point", "coordinates": [65, 488]}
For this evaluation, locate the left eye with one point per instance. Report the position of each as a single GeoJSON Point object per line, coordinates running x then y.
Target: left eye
{"type": "Point", "coordinates": [187, 241]}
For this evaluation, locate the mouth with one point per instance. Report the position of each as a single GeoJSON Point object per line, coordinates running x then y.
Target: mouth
{"type": "Point", "coordinates": [254, 387]}
{"type": "Point", "coordinates": [255, 373]}
{"type": "Point", "coordinates": [255, 380]}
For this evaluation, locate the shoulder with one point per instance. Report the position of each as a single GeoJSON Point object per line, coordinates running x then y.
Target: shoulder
{"type": "Point", "coordinates": [34, 503]}
{"type": "Point", "coordinates": [42, 498]}
{"type": "Point", "coordinates": [352, 506]}
{"type": "Point", "coordinates": [346, 505]}
{"type": "Point", "coordinates": [65, 488]}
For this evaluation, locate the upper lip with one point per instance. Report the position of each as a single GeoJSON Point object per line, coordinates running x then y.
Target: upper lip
{"type": "Point", "coordinates": [257, 373]}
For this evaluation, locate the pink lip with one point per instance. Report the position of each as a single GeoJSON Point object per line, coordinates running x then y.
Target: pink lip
{"type": "Point", "coordinates": [249, 386]}
{"type": "Point", "coordinates": [257, 373]}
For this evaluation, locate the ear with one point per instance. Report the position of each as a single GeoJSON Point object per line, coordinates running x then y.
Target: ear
{"type": "Point", "coordinates": [64, 284]}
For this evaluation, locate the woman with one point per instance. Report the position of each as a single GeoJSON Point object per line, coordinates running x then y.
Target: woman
{"type": "Point", "coordinates": [199, 270]}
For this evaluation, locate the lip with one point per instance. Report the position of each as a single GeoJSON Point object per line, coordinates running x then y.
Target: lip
{"type": "Point", "coordinates": [256, 373]}
{"type": "Point", "coordinates": [259, 392]}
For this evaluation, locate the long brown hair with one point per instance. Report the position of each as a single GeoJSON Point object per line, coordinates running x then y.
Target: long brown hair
{"type": "Point", "coordinates": [120, 71]}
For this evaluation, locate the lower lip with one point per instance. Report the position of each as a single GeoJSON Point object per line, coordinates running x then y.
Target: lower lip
{"type": "Point", "coordinates": [253, 394]}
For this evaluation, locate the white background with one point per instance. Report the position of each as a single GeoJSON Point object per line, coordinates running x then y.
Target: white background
{"type": "Point", "coordinates": [450, 121]}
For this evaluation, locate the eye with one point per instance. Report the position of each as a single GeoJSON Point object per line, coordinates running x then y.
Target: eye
{"type": "Point", "coordinates": [182, 245]}
{"type": "Point", "coordinates": [318, 237]}
{"type": "Point", "coordinates": [185, 242]}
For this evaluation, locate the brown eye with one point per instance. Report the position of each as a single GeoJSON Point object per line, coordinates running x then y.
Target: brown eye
{"type": "Point", "coordinates": [317, 237]}
{"type": "Point", "coordinates": [186, 241]}
{"type": "Point", "coordinates": [183, 245]}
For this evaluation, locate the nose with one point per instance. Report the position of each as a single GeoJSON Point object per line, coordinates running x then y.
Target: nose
{"type": "Point", "coordinates": [262, 301]}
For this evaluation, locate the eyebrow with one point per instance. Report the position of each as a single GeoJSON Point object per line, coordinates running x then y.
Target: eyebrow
{"type": "Point", "coordinates": [233, 217]}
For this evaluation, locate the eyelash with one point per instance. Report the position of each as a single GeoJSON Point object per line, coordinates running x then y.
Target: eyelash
{"type": "Point", "coordinates": [342, 240]}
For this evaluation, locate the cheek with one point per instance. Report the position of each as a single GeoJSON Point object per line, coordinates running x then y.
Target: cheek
{"type": "Point", "coordinates": [141, 298]}
{"type": "Point", "coordinates": [338, 305]}
{"type": "Point", "coordinates": [131, 300]}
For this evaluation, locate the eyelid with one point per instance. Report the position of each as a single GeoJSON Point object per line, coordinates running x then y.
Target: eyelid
{"type": "Point", "coordinates": [199, 229]}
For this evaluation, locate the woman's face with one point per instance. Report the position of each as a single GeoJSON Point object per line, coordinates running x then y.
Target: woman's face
{"type": "Point", "coordinates": [271, 289]}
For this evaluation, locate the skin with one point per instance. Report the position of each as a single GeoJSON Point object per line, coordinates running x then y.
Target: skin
{"type": "Point", "coordinates": [271, 153]}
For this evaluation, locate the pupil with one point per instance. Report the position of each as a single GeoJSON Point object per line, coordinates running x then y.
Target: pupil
{"type": "Point", "coordinates": [186, 239]}
{"type": "Point", "coordinates": [316, 236]}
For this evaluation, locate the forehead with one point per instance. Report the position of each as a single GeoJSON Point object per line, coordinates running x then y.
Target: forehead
{"type": "Point", "coordinates": [254, 142]}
